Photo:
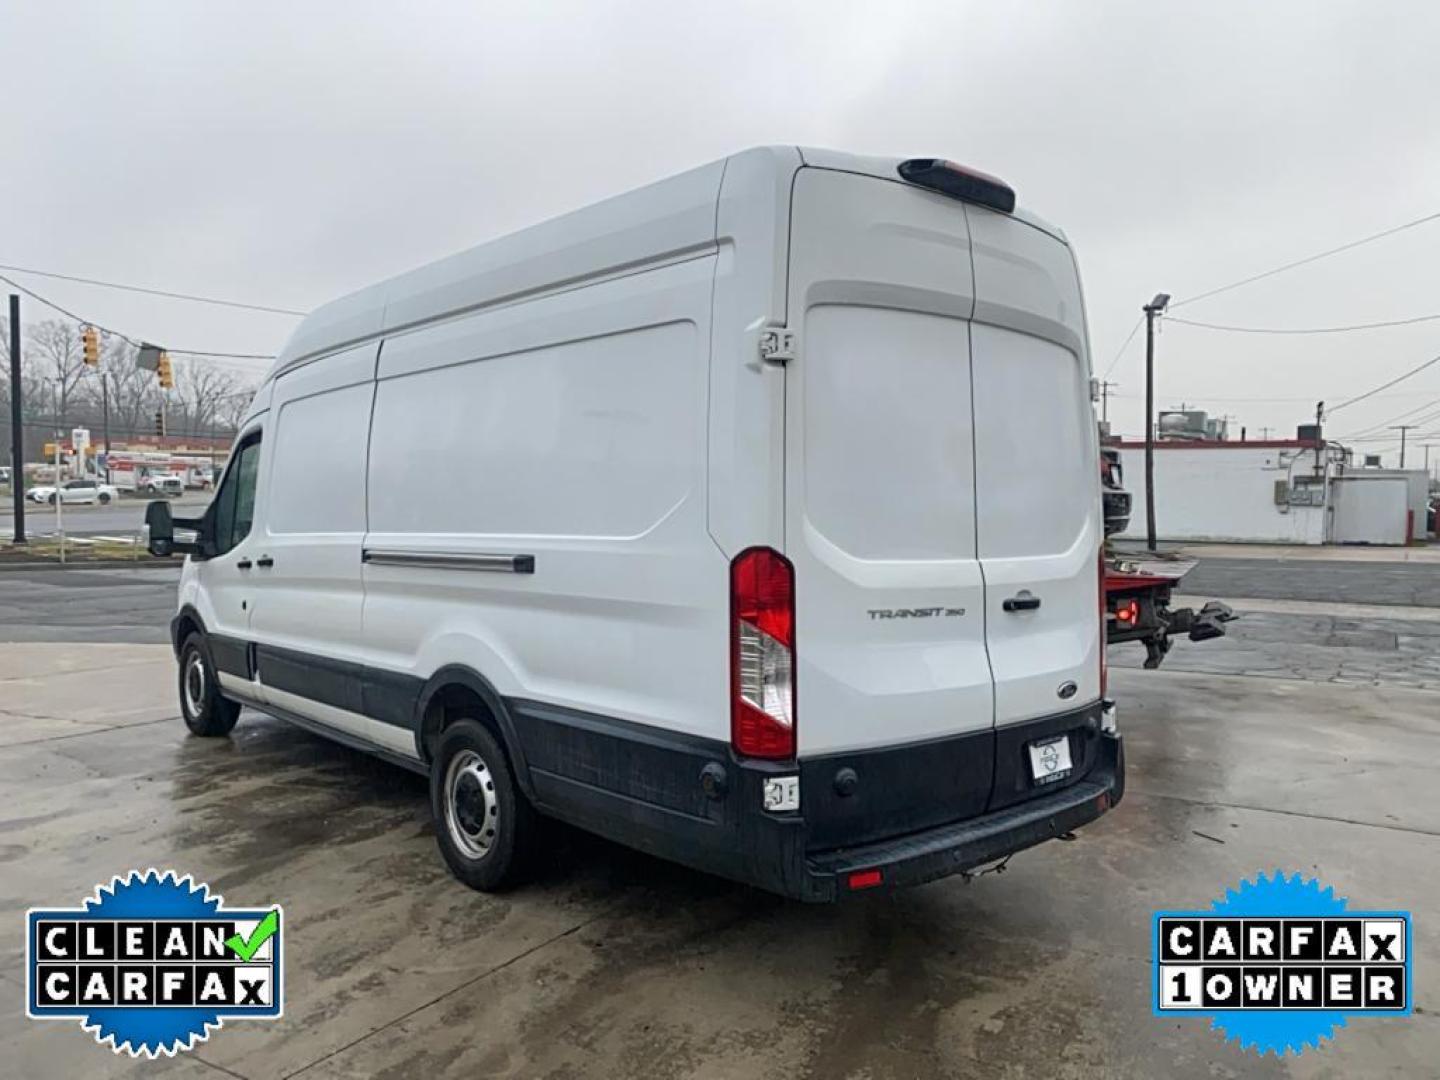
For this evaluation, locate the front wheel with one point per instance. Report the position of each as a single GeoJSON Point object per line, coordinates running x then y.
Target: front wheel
{"type": "Point", "coordinates": [206, 711]}
{"type": "Point", "coordinates": [104, 498]}
{"type": "Point", "coordinates": [486, 828]}
{"type": "Point", "coordinates": [51, 500]}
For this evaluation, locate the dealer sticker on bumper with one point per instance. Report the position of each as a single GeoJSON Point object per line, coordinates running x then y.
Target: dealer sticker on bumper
{"type": "Point", "coordinates": [1050, 759]}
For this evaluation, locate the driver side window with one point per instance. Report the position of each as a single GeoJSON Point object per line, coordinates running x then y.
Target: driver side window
{"type": "Point", "coordinates": [235, 501]}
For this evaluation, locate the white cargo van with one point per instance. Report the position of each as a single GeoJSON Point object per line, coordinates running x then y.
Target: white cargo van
{"type": "Point", "coordinates": [751, 518]}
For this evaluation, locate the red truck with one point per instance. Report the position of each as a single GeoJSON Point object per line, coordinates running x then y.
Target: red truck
{"type": "Point", "coordinates": [1138, 592]}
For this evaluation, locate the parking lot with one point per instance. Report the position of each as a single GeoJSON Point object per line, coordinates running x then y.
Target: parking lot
{"type": "Point", "coordinates": [1304, 741]}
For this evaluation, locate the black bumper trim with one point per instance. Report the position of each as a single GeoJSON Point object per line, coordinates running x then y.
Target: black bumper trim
{"type": "Point", "coordinates": [935, 853]}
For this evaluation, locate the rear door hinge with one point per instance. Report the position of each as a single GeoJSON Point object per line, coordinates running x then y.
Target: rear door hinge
{"type": "Point", "coordinates": [777, 345]}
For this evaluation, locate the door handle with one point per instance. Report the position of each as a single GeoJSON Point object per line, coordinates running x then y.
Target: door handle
{"type": "Point", "coordinates": [265, 562]}
{"type": "Point", "coordinates": [243, 564]}
{"type": "Point", "coordinates": [1022, 601]}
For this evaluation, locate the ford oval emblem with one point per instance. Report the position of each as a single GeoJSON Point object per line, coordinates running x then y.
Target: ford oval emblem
{"type": "Point", "coordinates": [1067, 690]}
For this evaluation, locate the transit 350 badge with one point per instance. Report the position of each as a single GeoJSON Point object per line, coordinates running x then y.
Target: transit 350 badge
{"type": "Point", "coordinates": [152, 963]}
{"type": "Point", "coordinates": [1279, 963]}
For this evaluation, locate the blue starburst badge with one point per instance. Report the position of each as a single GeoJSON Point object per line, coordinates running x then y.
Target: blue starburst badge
{"type": "Point", "coordinates": [1279, 963]}
{"type": "Point", "coordinates": [152, 963]}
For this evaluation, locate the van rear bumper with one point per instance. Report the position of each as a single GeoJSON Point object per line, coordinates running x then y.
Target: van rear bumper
{"type": "Point", "coordinates": [648, 789]}
{"type": "Point", "coordinates": [964, 845]}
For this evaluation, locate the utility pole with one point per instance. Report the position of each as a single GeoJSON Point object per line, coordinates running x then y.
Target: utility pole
{"type": "Point", "coordinates": [1319, 418]}
{"type": "Point", "coordinates": [1105, 385]}
{"type": "Point", "coordinates": [17, 428]}
{"type": "Point", "coordinates": [1402, 428]}
{"type": "Point", "coordinates": [1155, 307]}
{"type": "Point", "coordinates": [105, 419]}
{"type": "Point", "coordinates": [59, 485]}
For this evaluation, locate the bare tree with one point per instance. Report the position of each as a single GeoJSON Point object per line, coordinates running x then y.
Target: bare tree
{"type": "Point", "coordinates": [200, 388]}
{"type": "Point", "coordinates": [134, 392]}
{"type": "Point", "coordinates": [53, 354]}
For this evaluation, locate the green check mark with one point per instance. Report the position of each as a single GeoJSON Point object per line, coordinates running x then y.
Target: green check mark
{"type": "Point", "coordinates": [246, 948]}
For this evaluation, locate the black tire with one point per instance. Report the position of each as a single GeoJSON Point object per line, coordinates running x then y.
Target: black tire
{"type": "Point", "coordinates": [104, 497]}
{"type": "Point", "coordinates": [207, 712]}
{"type": "Point", "coordinates": [486, 828]}
{"type": "Point", "coordinates": [51, 500]}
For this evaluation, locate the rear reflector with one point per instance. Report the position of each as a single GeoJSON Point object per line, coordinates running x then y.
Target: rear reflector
{"type": "Point", "coordinates": [865, 879]}
{"type": "Point", "coordinates": [959, 182]}
{"type": "Point", "coordinates": [762, 654]}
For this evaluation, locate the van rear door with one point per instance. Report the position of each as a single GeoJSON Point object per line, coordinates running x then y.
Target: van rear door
{"type": "Point", "coordinates": [1039, 526]}
{"type": "Point", "coordinates": [892, 679]}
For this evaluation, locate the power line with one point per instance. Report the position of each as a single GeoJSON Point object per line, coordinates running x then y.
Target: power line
{"type": "Point", "coordinates": [1384, 386]}
{"type": "Point", "coordinates": [126, 337]}
{"type": "Point", "coordinates": [1305, 330]}
{"type": "Point", "coordinates": [1121, 351]}
{"type": "Point", "coordinates": [1305, 261]}
{"type": "Point", "coordinates": [1398, 416]}
{"type": "Point", "coordinates": [153, 292]}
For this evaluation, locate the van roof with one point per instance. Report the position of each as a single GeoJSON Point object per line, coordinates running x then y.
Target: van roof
{"type": "Point", "coordinates": [671, 219]}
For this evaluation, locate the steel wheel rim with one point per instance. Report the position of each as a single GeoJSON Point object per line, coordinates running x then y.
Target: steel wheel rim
{"type": "Point", "coordinates": [472, 810]}
{"type": "Point", "coordinates": [195, 685]}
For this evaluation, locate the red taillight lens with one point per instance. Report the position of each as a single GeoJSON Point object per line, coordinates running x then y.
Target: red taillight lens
{"type": "Point", "coordinates": [1104, 607]}
{"type": "Point", "coordinates": [762, 654]}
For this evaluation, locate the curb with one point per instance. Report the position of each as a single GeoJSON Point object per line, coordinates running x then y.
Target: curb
{"type": "Point", "coordinates": [81, 564]}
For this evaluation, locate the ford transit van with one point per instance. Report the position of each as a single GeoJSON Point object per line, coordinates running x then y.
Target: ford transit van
{"type": "Point", "coordinates": [751, 518]}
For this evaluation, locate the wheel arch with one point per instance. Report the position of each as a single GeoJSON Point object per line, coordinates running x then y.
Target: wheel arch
{"type": "Point", "coordinates": [186, 622]}
{"type": "Point", "coordinates": [455, 692]}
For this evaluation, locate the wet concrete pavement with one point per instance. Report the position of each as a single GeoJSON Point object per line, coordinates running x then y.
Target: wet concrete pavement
{"type": "Point", "coordinates": [616, 964]}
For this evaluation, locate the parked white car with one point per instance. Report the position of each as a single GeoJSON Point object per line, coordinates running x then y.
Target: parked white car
{"type": "Point", "coordinates": [163, 484]}
{"type": "Point", "coordinates": [75, 491]}
{"type": "Point", "coordinates": [777, 549]}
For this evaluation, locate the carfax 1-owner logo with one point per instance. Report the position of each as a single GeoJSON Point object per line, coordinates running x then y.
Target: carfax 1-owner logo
{"type": "Point", "coordinates": [152, 962]}
{"type": "Point", "coordinates": [1280, 964]}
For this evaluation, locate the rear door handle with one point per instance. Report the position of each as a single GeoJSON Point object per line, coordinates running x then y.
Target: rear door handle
{"type": "Point", "coordinates": [243, 564]}
{"type": "Point", "coordinates": [265, 562]}
{"type": "Point", "coordinates": [1022, 601]}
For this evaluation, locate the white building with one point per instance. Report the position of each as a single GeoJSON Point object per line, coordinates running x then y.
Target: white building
{"type": "Point", "coordinates": [1280, 491]}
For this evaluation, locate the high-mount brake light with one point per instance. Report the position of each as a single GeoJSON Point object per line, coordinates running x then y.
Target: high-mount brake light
{"type": "Point", "coordinates": [958, 182]}
{"type": "Point", "coordinates": [762, 654]}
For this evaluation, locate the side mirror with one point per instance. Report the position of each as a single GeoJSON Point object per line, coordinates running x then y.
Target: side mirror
{"type": "Point", "coordinates": [160, 530]}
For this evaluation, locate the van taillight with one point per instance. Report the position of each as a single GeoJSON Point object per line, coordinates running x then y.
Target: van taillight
{"type": "Point", "coordinates": [1104, 610]}
{"type": "Point", "coordinates": [762, 654]}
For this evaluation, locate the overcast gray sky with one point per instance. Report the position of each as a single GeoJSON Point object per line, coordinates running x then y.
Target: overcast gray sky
{"type": "Point", "coordinates": [286, 153]}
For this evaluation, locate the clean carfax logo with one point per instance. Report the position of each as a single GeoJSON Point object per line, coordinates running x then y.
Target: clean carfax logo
{"type": "Point", "coordinates": [1278, 964]}
{"type": "Point", "coordinates": [152, 962]}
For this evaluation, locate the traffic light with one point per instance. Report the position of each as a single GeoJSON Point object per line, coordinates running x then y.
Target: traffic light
{"type": "Point", "coordinates": [160, 422]}
{"type": "Point", "coordinates": [165, 372]}
{"type": "Point", "coordinates": [90, 340]}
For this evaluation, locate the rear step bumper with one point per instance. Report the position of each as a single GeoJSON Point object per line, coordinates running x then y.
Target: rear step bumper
{"type": "Point", "coordinates": [949, 849]}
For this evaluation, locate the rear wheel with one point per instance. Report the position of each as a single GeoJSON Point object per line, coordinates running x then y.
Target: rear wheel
{"type": "Point", "coordinates": [104, 497]}
{"type": "Point", "coordinates": [486, 828]}
{"type": "Point", "coordinates": [206, 711]}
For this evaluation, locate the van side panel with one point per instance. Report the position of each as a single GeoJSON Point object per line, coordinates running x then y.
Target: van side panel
{"type": "Point", "coordinates": [570, 430]}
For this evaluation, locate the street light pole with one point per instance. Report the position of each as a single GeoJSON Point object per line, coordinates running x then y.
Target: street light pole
{"type": "Point", "coordinates": [1155, 307]}
{"type": "Point", "coordinates": [17, 423]}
